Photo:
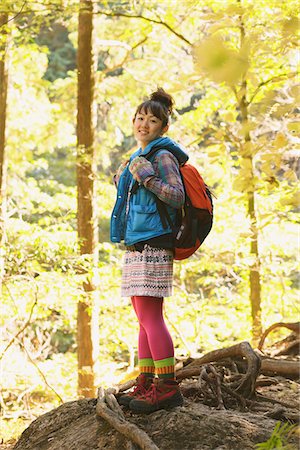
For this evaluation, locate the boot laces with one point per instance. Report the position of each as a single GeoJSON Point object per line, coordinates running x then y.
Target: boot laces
{"type": "Point", "coordinates": [152, 394]}
{"type": "Point", "coordinates": [139, 389]}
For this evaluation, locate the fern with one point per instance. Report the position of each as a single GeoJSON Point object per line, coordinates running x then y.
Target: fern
{"type": "Point", "coordinates": [278, 439]}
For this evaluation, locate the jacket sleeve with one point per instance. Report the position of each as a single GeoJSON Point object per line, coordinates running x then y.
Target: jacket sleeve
{"type": "Point", "coordinates": [117, 175]}
{"type": "Point", "coordinates": [166, 184]}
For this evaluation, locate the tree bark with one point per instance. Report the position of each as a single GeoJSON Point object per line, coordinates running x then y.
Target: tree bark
{"type": "Point", "coordinates": [86, 220]}
{"type": "Point", "coordinates": [254, 274]}
{"type": "Point", "coordinates": [3, 108]}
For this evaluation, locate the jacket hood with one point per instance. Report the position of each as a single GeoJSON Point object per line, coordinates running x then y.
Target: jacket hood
{"type": "Point", "coordinates": [170, 145]}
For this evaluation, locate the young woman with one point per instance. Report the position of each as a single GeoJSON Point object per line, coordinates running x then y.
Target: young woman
{"type": "Point", "coordinates": [148, 261]}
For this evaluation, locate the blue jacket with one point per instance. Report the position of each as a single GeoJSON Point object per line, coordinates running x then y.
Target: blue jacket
{"type": "Point", "coordinates": [135, 217]}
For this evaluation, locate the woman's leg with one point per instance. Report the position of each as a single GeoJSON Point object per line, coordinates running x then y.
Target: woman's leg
{"type": "Point", "coordinates": [146, 365]}
{"type": "Point", "coordinates": [155, 340]}
{"type": "Point", "coordinates": [145, 360]}
{"type": "Point", "coordinates": [164, 392]}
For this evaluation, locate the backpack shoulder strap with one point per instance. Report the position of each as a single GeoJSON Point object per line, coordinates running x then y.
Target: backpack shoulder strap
{"type": "Point", "coordinates": [163, 214]}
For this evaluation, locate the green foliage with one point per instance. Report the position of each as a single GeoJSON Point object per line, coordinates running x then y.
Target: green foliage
{"type": "Point", "coordinates": [62, 54]}
{"type": "Point", "coordinates": [279, 438]}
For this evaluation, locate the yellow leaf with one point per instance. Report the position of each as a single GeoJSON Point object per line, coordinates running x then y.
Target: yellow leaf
{"type": "Point", "coordinates": [290, 26]}
{"type": "Point", "coordinates": [248, 126]}
{"type": "Point", "coordinates": [213, 154]}
{"type": "Point", "coordinates": [222, 24]}
{"type": "Point", "coordinates": [290, 175]}
{"type": "Point", "coordinates": [220, 62]}
{"type": "Point", "coordinates": [294, 127]}
{"type": "Point", "coordinates": [280, 140]}
{"type": "Point", "coordinates": [239, 184]}
{"type": "Point", "coordinates": [246, 164]}
{"type": "Point", "coordinates": [219, 134]}
{"type": "Point", "coordinates": [234, 9]}
{"type": "Point", "coordinates": [293, 200]}
{"type": "Point", "coordinates": [247, 149]}
{"type": "Point", "coordinates": [229, 116]}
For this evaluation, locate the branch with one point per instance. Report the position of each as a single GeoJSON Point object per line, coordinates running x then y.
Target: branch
{"type": "Point", "coordinates": [40, 371]}
{"type": "Point", "coordinates": [14, 17]}
{"type": "Point", "coordinates": [271, 80]}
{"type": "Point", "coordinates": [21, 342]}
{"type": "Point", "coordinates": [147, 19]}
{"type": "Point", "coordinates": [284, 368]}
{"type": "Point", "coordinates": [26, 324]}
{"type": "Point", "coordinates": [111, 14]}
{"type": "Point", "coordinates": [125, 59]}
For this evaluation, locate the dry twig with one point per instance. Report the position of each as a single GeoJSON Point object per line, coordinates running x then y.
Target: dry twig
{"type": "Point", "coordinates": [26, 324]}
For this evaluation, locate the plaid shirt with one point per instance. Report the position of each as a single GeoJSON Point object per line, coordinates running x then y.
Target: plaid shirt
{"type": "Point", "coordinates": [166, 184]}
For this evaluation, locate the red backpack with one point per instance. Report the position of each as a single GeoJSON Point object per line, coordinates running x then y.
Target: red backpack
{"type": "Point", "coordinates": [195, 219]}
{"type": "Point", "coordinates": [196, 215]}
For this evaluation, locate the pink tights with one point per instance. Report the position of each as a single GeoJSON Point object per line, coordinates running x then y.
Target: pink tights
{"type": "Point", "coordinates": [154, 338]}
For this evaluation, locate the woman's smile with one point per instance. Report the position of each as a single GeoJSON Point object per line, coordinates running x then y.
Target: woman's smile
{"type": "Point", "coordinates": [146, 127]}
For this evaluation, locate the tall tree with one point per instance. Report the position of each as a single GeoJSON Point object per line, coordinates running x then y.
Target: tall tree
{"type": "Point", "coordinates": [3, 107]}
{"type": "Point", "coordinates": [254, 269]}
{"type": "Point", "coordinates": [234, 55]}
{"type": "Point", "coordinates": [86, 221]}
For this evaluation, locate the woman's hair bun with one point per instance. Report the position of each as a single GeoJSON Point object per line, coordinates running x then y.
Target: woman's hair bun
{"type": "Point", "coordinates": [161, 96]}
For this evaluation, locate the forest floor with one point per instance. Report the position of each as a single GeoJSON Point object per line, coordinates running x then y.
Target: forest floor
{"type": "Point", "coordinates": [227, 418]}
{"type": "Point", "coordinates": [229, 429]}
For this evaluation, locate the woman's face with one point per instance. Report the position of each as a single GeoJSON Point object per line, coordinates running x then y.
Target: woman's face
{"type": "Point", "coordinates": [147, 127]}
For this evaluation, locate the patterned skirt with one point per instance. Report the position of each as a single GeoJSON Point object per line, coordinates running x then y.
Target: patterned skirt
{"type": "Point", "coordinates": [147, 273]}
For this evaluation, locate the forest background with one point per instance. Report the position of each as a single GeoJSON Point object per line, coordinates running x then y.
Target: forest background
{"type": "Point", "coordinates": [232, 69]}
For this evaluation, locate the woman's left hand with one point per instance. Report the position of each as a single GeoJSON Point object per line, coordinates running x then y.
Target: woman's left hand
{"type": "Point", "coordinates": [141, 169]}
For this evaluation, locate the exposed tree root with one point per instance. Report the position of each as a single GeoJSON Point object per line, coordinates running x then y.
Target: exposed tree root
{"type": "Point", "coordinates": [245, 383]}
{"type": "Point", "coordinates": [109, 409]}
{"type": "Point", "coordinates": [224, 379]}
{"type": "Point", "coordinates": [294, 327]}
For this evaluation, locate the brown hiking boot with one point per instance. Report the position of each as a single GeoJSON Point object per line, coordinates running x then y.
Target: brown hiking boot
{"type": "Point", "coordinates": [162, 394]}
{"type": "Point", "coordinates": [142, 384]}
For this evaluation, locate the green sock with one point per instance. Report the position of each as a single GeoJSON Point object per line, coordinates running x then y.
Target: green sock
{"type": "Point", "coordinates": [165, 368]}
{"type": "Point", "coordinates": [147, 367]}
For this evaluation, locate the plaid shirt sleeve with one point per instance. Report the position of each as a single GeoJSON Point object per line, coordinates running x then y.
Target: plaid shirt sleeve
{"type": "Point", "coordinates": [166, 184]}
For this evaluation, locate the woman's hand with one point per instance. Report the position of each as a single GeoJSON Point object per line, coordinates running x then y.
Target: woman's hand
{"type": "Point", "coordinates": [141, 169]}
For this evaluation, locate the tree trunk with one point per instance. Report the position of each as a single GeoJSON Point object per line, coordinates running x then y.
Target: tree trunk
{"type": "Point", "coordinates": [254, 275]}
{"type": "Point", "coordinates": [255, 286]}
{"type": "Point", "coordinates": [3, 104]}
{"type": "Point", "coordinates": [86, 221]}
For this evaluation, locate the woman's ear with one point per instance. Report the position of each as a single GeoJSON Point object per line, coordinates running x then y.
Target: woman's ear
{"type": "Point", "coordinates": [164, 130]}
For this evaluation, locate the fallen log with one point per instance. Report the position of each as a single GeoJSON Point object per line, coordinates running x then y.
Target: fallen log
{"type": "Point", "coordinates": [273, 366]}
{"type": "Point", "coordinates": [283, 367]}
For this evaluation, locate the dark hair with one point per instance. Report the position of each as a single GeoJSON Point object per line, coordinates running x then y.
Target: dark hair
{"type": "Point", "coordinates": [160, 104]}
